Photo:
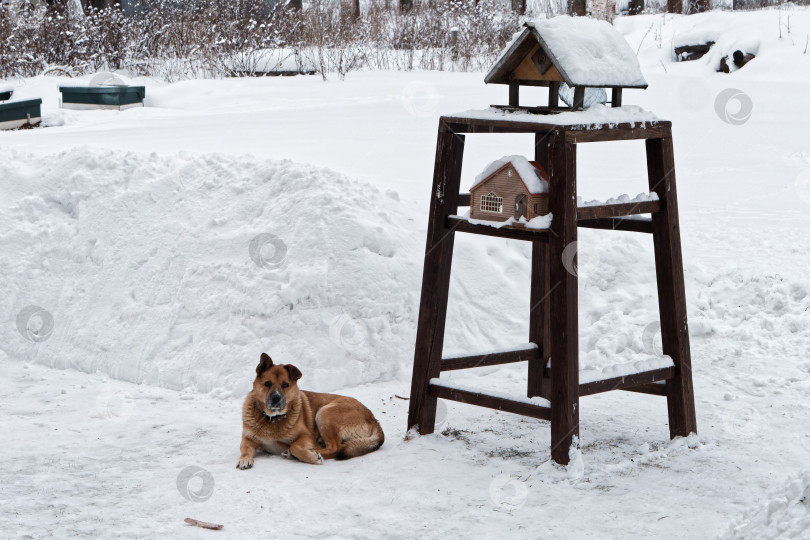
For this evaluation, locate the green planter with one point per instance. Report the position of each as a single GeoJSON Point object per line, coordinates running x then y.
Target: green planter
{"type": "Point", "coordinates": [20, 113]}
{"type": "Point", "coordinates": [118, 97]}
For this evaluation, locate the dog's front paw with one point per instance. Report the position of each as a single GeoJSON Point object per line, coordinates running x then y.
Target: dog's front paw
{"type": "Point", "coordinates": [244, 463]}
{"type": "Point", "coordinates": [319, 459]}
{"type": "Point", "coordinates": [286, 454]}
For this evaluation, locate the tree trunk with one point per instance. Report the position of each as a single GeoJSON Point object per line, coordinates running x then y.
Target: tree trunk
{"type": "Point", "coordinates": [675, 6]}
{"type": "Point", "coordinates": [577, 7]}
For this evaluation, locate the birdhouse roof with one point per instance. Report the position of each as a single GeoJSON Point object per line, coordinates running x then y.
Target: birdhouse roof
{"type": "Point", "coordinates": [531, 173]}
{"type": "Point", "coordinates": [586, 52]}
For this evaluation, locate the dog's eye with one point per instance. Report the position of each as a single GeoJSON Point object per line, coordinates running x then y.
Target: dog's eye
{"type": "Point", "coordinates": [285, 385]}
{"type": "Point", "coordinates": [268, 384]}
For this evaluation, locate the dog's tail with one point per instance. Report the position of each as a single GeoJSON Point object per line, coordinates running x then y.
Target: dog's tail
{"type": "Point", "coordinates": [362, 445]}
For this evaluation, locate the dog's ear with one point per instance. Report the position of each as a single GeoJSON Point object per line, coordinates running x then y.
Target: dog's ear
{"type": "Point", "coordinates": [265, 363]}
{"type": "Point", "coordinates": [294, 372]}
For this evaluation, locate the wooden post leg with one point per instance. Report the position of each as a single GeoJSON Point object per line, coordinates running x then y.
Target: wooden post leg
{"type": "Point", "coordinates": [539, 383]}
{"type": "Point", "coordinates": [563, 301]}
{"type": "Point", "coordinates": [539, 321]}
{"type": "Point", "coordinates": [435, 279]}
{"type": "Point", "coordinates": [671, 290]}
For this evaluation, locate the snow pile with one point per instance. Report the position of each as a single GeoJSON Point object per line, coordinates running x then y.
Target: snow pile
{"type": "Point", "coordinates": [621, 199]}
{"type": "Point", "coordinates": [179, 271]}
{"type": "Point", "coordinates": [527, 172]}
{"type": "Point", "coordinates": [590, 52]}
{"type": "Point", "coordinates": [785, 515]}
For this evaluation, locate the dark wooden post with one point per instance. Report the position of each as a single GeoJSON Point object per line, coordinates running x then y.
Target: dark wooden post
{"type": "Point", "coordinates": [553, 95]}
{"type": "Point", "coordinates": [675, 6]}
{"type": "Point", "coordinates": [563, 300]}
{"type": "Point", "coordinates": [435, 279]}
{"type": "Point", "coordinates": [514, 94]}
{"type": "Point", "coordinates": [539, 331]}
{"type": "Point", "coordinates": [579, 98]}
{"type": "Point", "coordinates": [616, 97]}
{"type": "Point", "coordinates": [671, 290]}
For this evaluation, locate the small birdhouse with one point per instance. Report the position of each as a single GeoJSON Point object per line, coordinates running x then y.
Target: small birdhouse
{"type": "Point", "coordinates": [577, 52]}
{"type": "Point", "coordinates": [511, 187]}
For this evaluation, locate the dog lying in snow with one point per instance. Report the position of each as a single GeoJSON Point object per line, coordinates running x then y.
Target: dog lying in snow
{"type": "Point", "coordinates": [281, 419]}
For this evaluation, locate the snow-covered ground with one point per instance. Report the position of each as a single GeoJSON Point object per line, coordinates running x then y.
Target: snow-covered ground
{"type": "Point", "coordinates": [150, 255]}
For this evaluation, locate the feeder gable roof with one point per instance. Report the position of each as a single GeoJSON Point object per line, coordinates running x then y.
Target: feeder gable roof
{"type": "Point", "coordinates": [586, 52]}
{"type": "Point", "coordinates": [531, 173]}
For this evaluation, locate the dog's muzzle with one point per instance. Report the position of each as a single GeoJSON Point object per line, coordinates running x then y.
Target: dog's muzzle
{"type": "Point", "coordinates": [276, 401]}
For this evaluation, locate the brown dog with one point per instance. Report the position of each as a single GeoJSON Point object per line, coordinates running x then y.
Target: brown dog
{"type": "Point", "coordinates": [281, 419]}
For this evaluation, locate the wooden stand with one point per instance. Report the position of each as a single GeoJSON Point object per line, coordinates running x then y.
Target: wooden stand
{"type": "Point", "coordinates": [553, 329]}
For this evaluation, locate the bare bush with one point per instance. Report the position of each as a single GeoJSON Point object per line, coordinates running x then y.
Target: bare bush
{"type": "Point", "coordinates": [175, 39]}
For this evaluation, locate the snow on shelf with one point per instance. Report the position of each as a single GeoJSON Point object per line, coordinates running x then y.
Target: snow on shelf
{"type": "Point", "coordinates": [621, 199]}
{"type": "Point", "coordinates": [537, 223]}
{"type": "Point", "coordinates": [538, 401]}
{"type": "Point", "coordinates": [530, 176]}
{"type": "Point", "coordinates": [625, 370]}
{"type": "Point", "coordinates": [593, 118]}
{"type": "Point", "coordinates": [516, 348]}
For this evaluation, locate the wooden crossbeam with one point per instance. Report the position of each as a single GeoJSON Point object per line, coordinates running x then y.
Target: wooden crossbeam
{"type": "Point", "coordinates": [460, 224]}
{"type": "Point", "coordinates": [655, 389]}
{"type": "Point", "coordinates": [618, 210]}
{"type": "Point", "coordinates": [490, 402]}
{"type": "Point", "coordinates": [531, 352]}
{"type": "Point", "coordinates": [642, 225]}
{"type": "Point", "coordinates": [626, 381]}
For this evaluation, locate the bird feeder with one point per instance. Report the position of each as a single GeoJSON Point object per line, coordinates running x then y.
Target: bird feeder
{"type": "Point", "coordinates": [579, 53]}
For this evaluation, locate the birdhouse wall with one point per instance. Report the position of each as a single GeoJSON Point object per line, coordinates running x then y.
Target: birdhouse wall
{"type": "Point", "coordinates": [527, 69]}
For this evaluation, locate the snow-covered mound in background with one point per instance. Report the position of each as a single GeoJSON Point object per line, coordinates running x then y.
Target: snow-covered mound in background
{"type": "Point", "coordinates": [179, 271]}
{"type": "Point", "coordinates": [785, 515]}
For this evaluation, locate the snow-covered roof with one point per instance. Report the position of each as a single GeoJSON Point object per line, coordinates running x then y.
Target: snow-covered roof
{"type": "Point", "coordinates": [586, 52]}
{"type": "Point", "coordinates": [529, 173]}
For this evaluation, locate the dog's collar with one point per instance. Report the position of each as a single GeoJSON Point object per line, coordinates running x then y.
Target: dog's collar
{"type": "Point", "coordinates": [276, 418]}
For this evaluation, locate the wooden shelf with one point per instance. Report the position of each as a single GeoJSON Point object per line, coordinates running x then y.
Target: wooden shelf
{"type": "Point", "coordinates": [491, 402]}
{"type": "Point", "coordinates": [461, 224]}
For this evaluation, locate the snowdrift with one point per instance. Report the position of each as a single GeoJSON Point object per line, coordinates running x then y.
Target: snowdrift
{"type": "Point", "coordinates": [179, 271]}
{"type": "Point", "coordinates": [786, 514]}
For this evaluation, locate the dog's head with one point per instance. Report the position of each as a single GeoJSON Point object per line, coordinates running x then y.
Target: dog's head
{"type": "Point", "coordinates": [275, 386]}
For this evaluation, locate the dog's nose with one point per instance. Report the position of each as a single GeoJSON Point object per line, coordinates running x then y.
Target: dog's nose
{"type": "Point", "coordinates": [275, 398]}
